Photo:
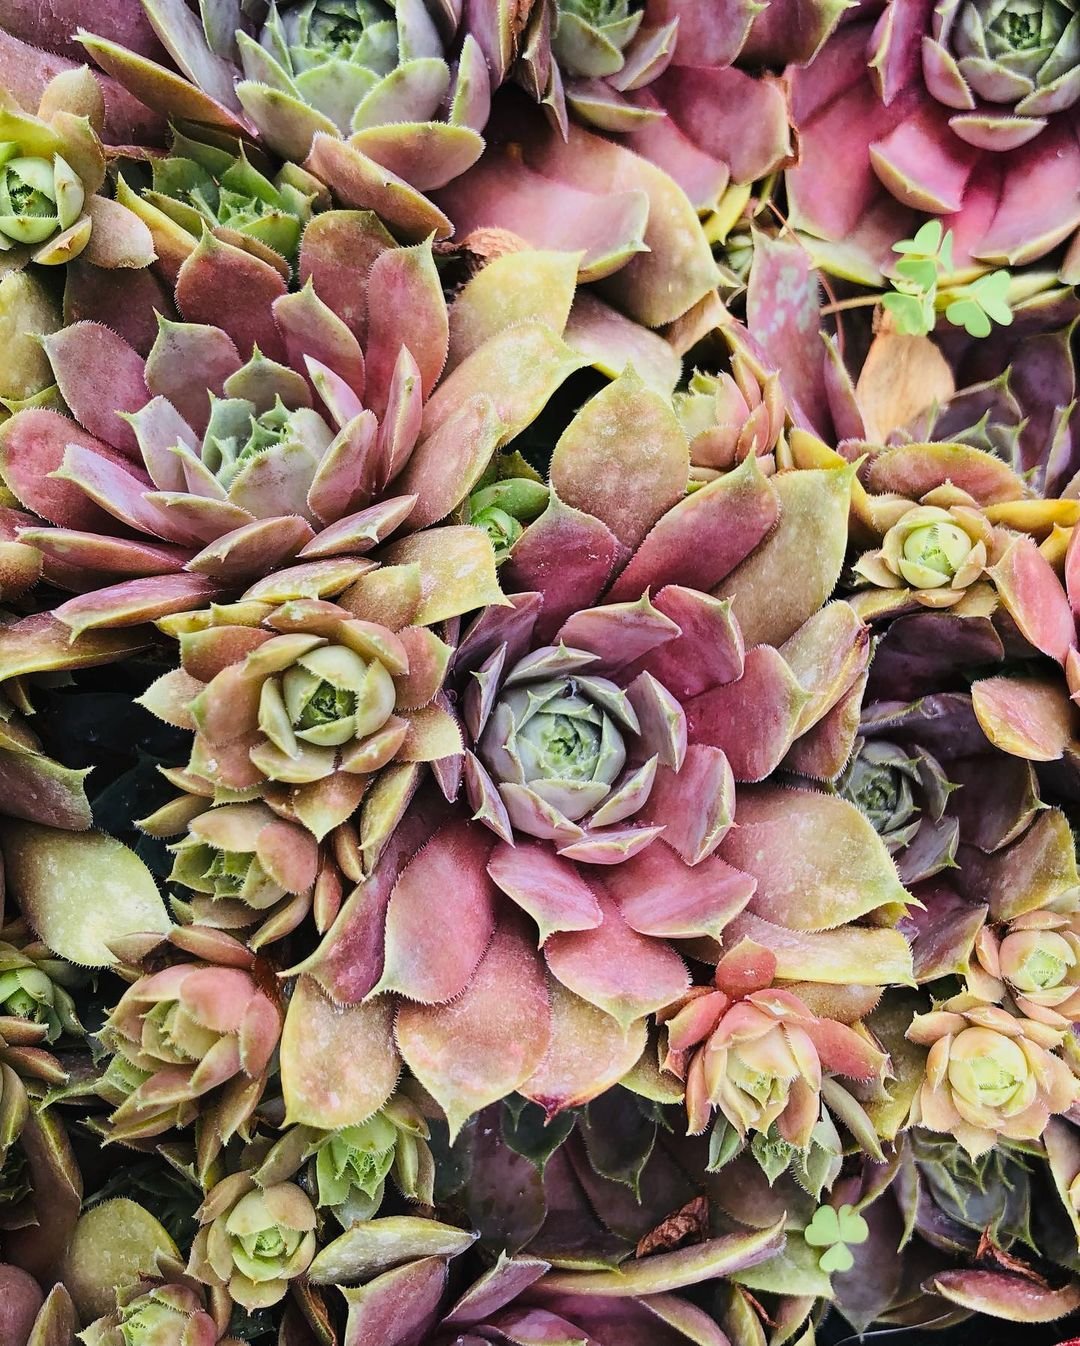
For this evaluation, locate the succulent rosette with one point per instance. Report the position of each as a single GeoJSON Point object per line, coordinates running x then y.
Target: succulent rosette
{"type": "Point", "coordinates": [278, 435]}
{"type": "Point", "coordinates": [989, 1074]}
{"type": "Point", "coordinates": [586, 56]}
{"type": "Point", "coordinates": [385, 101]}
{"type": "Point", "coordinates": [1035, 958]}
{"type": "Point", "coordinates": [934, 550]}
{"type": "Point", "coordinates": [903, 790]}
{"type": "Point", "coordinates": [730, 416]}
{"type": "Point", "coordinates": [199, 184]}
{"type": "Point", "coordinates": [169, 1312]}
{"type": "Point", "coordinates": [757, 1052]}
{"type": "Point", "coordinates": [189, 1031]}
{"type": "Point", "coordinates": [965, 110]}
{"type": "Point", "coordinates": [52, 167]}
{"type": "Point", "coordinates": [601, 755]}
{"type": "Point", "coordinates": [253, 1240]}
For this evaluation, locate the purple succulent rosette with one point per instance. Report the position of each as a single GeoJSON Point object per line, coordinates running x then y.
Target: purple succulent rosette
{"type": "Point", "coordinates": [966, 110]}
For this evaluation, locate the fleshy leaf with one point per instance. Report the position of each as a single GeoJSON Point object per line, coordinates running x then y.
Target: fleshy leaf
{"type": "Point", "coordinates": [80, 891]}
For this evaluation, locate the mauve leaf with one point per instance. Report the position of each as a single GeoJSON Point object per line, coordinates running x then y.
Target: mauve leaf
{"type": "Point", "coordinates": [1031, 718]}
{"type": "Point", "coordinates": [818, 862]}
{"type": "Point", "coordinates": [783, 315]}
{"type": "Point", "coordinates": [533, 284]}
{"type": "Point", "coordinates": [911, 470]}
{"type": "Point", "coordinates": [396, 1305]}
{"type": "Point", "coordinates": [433, 949]}
{"type": "Point", "coordinates": [624, 433]}
{"type": "Point", "coordinates": [376, 1245]}
{"type": "Point", "coordinates": [339, 1064]}
{"type": "Point", "coordinates": [613, 967]}
{"type": "Point", "coordinates": [795, 569]}
{"type": "Point", "coordinates": [1034, 598]}
{"type": "Point", "coordinates": [1039, 870]}
{"type": "Point", "coordinates": [588, 1053]}
{"type": "Point", "coordinates": [80, 891]}
{"type": "Point", "coordinates": [672, 1271]}
{"type": "Point", "coordinates": [544, 885]}
{"type": "Point", "coordinates": [1015, 1298]}
{"type": "Point", "coordinates": [485, 1044]}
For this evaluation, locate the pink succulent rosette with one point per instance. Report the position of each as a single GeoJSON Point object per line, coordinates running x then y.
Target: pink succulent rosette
{"type": "Point", "coordinates": [276, 435]}
{"type": "Point", "coordinates": [965, 109]}
{"type": "Point", "coordinates": [602, 748]}
{"type": "Point", "coordinates": [757, 1052]}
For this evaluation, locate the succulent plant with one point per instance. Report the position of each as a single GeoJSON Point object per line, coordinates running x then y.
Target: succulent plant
{"type": "Point", "coordinates": [957, 112]}
{"type": "Point", "coordinates": [170, 1312]}
{"type": "Point", "coordinates": [199, 185]}
{"type": "Point", "coordinates": [253, 1240]}
{"type": "Point", "coordinates": [729, 416]}
{"type": "Point", "coordinates": [51, 168]}
{"type": "Point", "coordinates": [934, 549]}
{"type": "Point", "coordinates": [367, 96]}
{"type": "Point", "coordinates": [757, 1052]}
{"type": "Point", "coordinates": [989, 1074]}
{"type": "Point", "coordinates": [35, 988]}
{"type": "Point", "coordinates": [1035, 957]}
{"type": "Point", "coordinates": [186, 1031]}
{"type": "Point", "coordinates": [221, 466]}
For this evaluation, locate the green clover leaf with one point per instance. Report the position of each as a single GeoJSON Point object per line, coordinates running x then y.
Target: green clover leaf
{"type": "Point", "coordinates": [968, 314]}
{"type": "Point", "coordinates": [833, 1230]}
{"type": "Point", "coordinates": [914, 316]}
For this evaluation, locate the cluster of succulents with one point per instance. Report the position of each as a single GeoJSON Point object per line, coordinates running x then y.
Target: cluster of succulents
{"type": "Point", "coordinates": [539, 650]}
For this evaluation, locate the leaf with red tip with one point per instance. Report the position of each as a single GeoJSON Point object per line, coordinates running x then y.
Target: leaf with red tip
{"type": "Point", "coordinates": [187, 362]}
{"type": "Point", "coordinates": [754, 720]}
{"type": "Point", "coordinates": [33, 445]}
{"type": "Point", "coordinates": [705, 536]}
{"type": "Point", "coordinates": [567, 556]}
{"type": "Point", "coordinates": [707, 652]}
{"type": "Point", "coordinates": [312, 330]}
{"type": "Point", "coordinates": [444, 467]}
{"type": "Point", "coordinates": [136, 601]}
{"type": "Point", "coordinates": [1031, 718]}
{"type": "Point", "coordinates": [796, 568]}
{"type": "Point", "coordinates": [78, 354]}
{"type": "Point", "coordinates": [694, 805]}
{"type": "Point", "coordinates": [614, 968]}
{"type": "Point", "coordinates": [625, 433]}
{"type": "Point", "coordinates": [1033, 597]}
{"type": "Point", "coordinates": [339, 1064]}
{"type": "Point", "coordinates": [661, 896]}
{"type": "Point", "coordinates": [589, 1052]}
{"type": "Point", "coordinates": [337, 252]}
{"type": "Point", "coordinates": [1014, 1298]}
{"type": "Point", "coordinates": [617, 633]}
{"type": "Point", "coordinates": [433, 948]}
{"type": "Point", "coordinates": [912, 470]}
{"type": "Point", "coordinates": [405, 308]}
{"type": "Point", "coordinates": [547, 887]}
{"type": "Point", "coordinates": [818, 862]}
{"type": "Point", "coordinates": [232, 289]}
{"type": "Point", "coordinates": [489, 1041]}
